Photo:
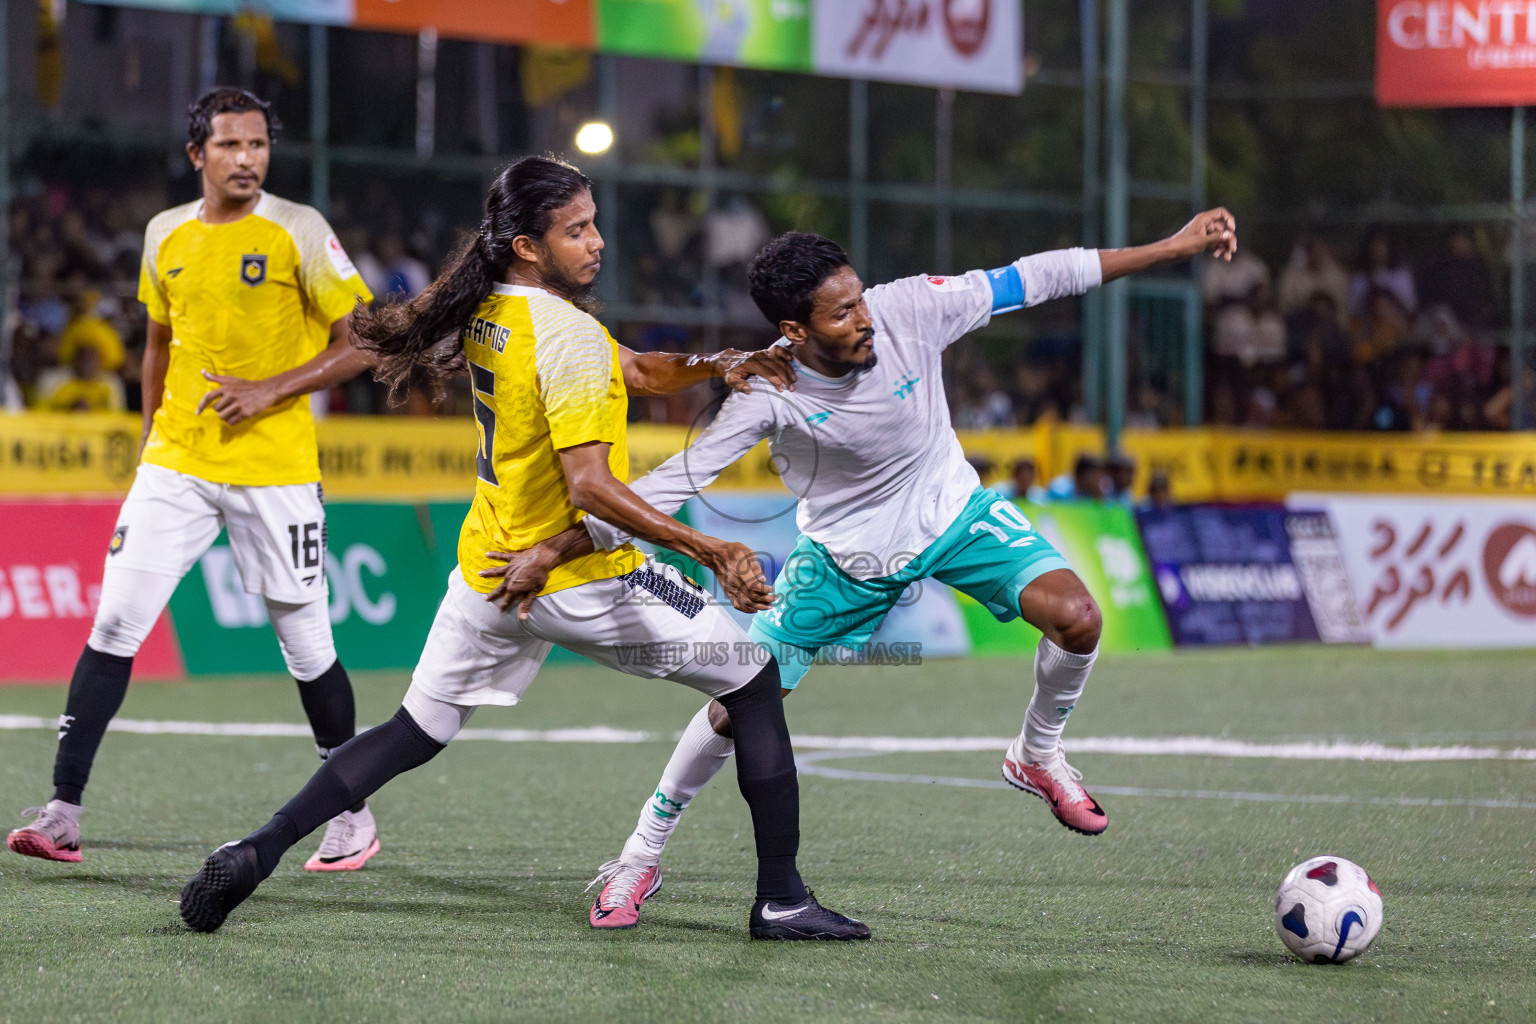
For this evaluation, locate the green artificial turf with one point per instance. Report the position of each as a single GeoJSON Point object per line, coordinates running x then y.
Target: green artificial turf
{"type": "Point", "coordinates": [983, 908]}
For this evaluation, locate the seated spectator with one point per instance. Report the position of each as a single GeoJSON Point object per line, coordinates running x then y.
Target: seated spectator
{"type": "Point", "coordinates": [987, 406]}
{"type": "Point", "coordinates": [1022, 483]}
{"type": "Point", "coordinates": [89, 388]}
{"type": "Point", "coordinates": [1159, 492]}
{"type": "Point", "coordinates": [88, 328]}
{"type": "Point", "coordinates": [408, 276]}
{"type": "Point", "coordinates": [1085, 483]}
{"type": "Point", "coordinates": [1499, 409]}
{"type": "Point", "coordinates": [1382, 267]}
{"type": "Point", "coordinates": [1261, 409]}
{"type": "Point", "coordinates": [1251, 332]}
{"type": "Point", "coordinates": [1376, 334]}
{"type": "Point", "coordinates": [1313, 271]}
{"type": "Point", "coordinates": [1222, 282]}
{"type": "Point", "coordinates": [1314, 336]}
{"type": "Point", "coordinates": [1119, 478]}
{"type": "Point", "coordinates": [1461, 279]}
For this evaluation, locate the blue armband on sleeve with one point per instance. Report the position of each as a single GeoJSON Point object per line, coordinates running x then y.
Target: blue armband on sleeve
{"type": "Point", "coordinates": [1007, 289]}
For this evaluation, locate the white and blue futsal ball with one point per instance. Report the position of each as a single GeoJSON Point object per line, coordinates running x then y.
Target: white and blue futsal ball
{"type": "Point", "coordinates": [1328, 910]}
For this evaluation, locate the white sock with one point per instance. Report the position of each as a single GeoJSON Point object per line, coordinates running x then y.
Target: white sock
{"type": "Point", "coordinates": [700, 754]}
{"type": "Point", "coordinates": [1059, 680]}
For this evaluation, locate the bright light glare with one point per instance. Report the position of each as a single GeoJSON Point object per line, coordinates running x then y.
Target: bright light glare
{"type": "Point", "coordinates": [594, 137]}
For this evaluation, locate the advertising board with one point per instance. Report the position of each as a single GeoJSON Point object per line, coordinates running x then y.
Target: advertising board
{"type": "Point", "coordinates": [1227, 574]}
{"type": "Point", "coordinates": [966, 44]}
{"type": "Point", "coordinates": [1455, 53]}
{"type": "Point", "coordinates": [52, 557]}
{"type": "Point", "coordinates": [1438, 572]}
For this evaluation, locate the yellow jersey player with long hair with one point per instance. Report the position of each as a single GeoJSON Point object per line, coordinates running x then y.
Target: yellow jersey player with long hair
{"type": "Point", "coordinates": [551, 397]}
{"type": "Point", "coordinates": [239, 284]}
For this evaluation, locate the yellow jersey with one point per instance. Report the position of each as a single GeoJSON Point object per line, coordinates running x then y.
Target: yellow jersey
{"type": "Point", "coordinates": [248, 299]}
{"type": "Point", "coordinates": [545, 376]}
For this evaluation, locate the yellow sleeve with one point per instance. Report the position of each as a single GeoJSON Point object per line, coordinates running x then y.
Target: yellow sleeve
{"type": "Point", "coordinates": [151, 288]}
{"type": "Point", "coordinates": [330, 281]}
{"type": "Point", "coordinates": [574, 362]}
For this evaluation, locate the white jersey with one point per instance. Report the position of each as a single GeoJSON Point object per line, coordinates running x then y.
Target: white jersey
{"type": "Point", "coordinates": [872, 456]}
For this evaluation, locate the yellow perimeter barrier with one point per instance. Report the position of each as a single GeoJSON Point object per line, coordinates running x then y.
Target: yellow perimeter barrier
{"type": "Point", "coordinates": [398, 458]}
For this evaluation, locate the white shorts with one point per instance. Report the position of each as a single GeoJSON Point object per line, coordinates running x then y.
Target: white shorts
{"type": "Point", "coordinates": [276, 534]}
{"type": "Point", "coordinates": [653, 622]}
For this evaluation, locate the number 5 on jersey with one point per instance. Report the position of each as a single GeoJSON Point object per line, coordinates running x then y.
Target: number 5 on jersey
{"type": "Point", "coordinates": [482, 384]}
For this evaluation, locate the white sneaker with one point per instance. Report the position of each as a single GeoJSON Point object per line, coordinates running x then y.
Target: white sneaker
{"type": "Point", "coordinates": [54, 835]}
{"type": "Point", "coordinates": [350, 839]}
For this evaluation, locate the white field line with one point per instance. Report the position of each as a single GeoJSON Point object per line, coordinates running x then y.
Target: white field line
{"type": "Point", "coordinates": [810, 764]}
{"type": "Point", "coordinates": [1175, 746]}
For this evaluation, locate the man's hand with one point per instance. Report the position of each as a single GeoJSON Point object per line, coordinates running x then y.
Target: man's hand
{"type": "Point", "coordinates": [237, 399]}
{"type": "Point", "coordinates": [522, 577]}
{"type": "Point", "coordinates": [1215, 230]}
{"type": "Point", "coordinates": [773, 364]}
{"type": "Point", "coordinates": [740, 575]}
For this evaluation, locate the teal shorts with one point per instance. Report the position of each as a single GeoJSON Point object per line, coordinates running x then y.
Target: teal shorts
{"type": "Point", "coordinates": [991, 552]}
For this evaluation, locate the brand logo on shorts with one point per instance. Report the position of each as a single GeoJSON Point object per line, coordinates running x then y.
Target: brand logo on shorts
{"type": "Point", "coordinates": [119, 536]}
{"type": "Point", "coordinates": [253, 268]}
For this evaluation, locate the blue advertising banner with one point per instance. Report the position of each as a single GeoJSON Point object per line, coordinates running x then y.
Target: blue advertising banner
{"type": "Point", "coordinates": [1226, 575]}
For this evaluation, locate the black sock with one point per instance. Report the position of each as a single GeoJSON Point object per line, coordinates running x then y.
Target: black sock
{"type": "Point", "coordinates": [96, 692]}
{"type": "Point", "coordinates": [347, 778]}
{"type": "Point", "coordinates": [332, 714]}
{"type": "Point", "coordinates": [765, 771]}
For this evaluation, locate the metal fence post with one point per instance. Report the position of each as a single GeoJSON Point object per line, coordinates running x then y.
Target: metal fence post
{"type": "Point", "coordinates": [1093, 302]}
{"type": "Point", "coordinates": [1517, 271]}
{"type": "Point", "coordinates": [1116, 217]}
{"type": "Point", "coordinates": [858, 174]}
{"type": "Point", "coordinates": [319, 119]}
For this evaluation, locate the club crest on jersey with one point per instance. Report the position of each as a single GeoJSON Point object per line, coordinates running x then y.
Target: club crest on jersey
{"type": "Point", "coordinates": [253, 268]}
{"type": "Point", "coordinates": [119, 536]}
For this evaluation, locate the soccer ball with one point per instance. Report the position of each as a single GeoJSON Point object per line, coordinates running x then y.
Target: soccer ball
{"type": "Point", "coordinates": [1327, 910]}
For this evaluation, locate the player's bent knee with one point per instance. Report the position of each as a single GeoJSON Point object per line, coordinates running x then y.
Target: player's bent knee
{"type": "Point", "coordinates": [719, 719]}
{"type": "Point", "coordinates": [121, 633]}
{"type": "Point", "coordinates": [438, 719]}
{"type": "Point", "coordinates": [304, 635]}
{"type": "Point", "coordinates": [1082, 626]}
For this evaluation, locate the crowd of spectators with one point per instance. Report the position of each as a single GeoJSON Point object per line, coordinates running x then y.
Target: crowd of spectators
{"type": "Point", "coordinates": [1388, 343]}
{"type": "Point", "coordinates": [1384, 343]}
{"type": "Point", "coordinates": [78, 329]}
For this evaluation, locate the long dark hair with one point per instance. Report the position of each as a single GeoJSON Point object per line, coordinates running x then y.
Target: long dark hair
{"type": "Point", "coordinates": [416, 340]}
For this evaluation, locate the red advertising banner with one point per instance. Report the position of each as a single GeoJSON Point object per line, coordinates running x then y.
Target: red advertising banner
{"type": "Point", "coordinates": [1455, 53]}
{"type": "Point", "coordinates": [51, 560]}
{"type": "Point", "coordinates": [552, 22]}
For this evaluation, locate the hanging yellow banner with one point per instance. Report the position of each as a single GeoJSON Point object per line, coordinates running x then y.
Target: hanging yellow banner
{"type": "Point", "coordinates": [406, 458]}
{"type": "Point", "coordinates": [361, 457]}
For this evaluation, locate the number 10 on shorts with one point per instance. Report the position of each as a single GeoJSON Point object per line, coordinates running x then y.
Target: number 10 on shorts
{"type": "Point", "coordinates": [1007, 513]}
{"type": "Point", "coordinates": [305, 540]}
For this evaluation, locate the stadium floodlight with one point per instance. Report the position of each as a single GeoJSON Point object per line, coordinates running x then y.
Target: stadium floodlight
{"type": "Point", "coordinates": [594, 138]}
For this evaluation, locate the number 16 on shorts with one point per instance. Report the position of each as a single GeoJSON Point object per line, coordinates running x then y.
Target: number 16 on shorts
{"type": "Point", "coordinates": [306, 542]}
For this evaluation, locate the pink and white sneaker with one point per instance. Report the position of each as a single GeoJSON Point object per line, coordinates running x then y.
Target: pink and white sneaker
{"type": "Point", "coordinates": [628, 886]}
{"type": "Point", "coordinates": [54, 835]}
{"type": "Point", "coordinates": [350, 840]}
{"type": "Point", "coordinates": [1057, 783]}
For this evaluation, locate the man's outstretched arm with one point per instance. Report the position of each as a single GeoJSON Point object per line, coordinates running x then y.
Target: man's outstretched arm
{"type": "Point", "coordinates": [596, 491]}
{"type": "Point", "coordinates": [665, 373]}
{"type": "Point", "coordinates": [1214, 230]}
{"type": "Point", "coordinates": [741, 423]}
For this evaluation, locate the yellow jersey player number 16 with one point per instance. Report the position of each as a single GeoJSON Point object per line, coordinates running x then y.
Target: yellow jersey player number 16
{"type": "Point", "coordinates": [249, 299]}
